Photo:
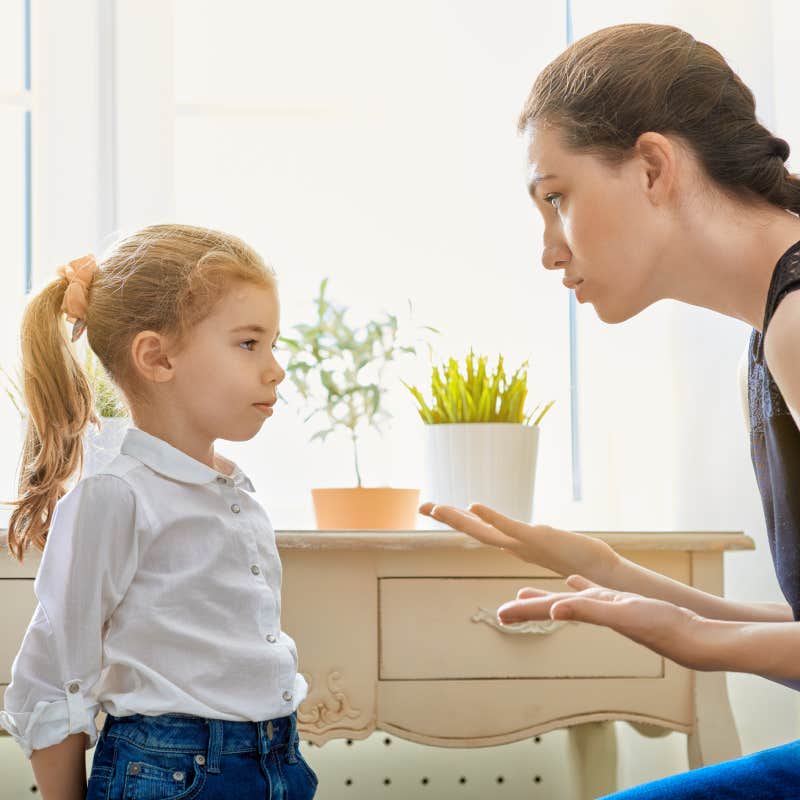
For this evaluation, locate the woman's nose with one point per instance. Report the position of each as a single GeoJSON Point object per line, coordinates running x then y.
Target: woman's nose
{"type": "Point", "coordinates": [555, 255]}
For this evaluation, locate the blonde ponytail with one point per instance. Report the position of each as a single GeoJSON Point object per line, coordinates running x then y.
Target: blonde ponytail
{"type": "Point", "coordinates": [59, 402]}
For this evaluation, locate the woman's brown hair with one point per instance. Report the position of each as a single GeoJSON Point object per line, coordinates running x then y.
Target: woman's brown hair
{"type": "Point", "coordinates": [165, 278]}
{"type": "Point", "coordinates": [613, 85]}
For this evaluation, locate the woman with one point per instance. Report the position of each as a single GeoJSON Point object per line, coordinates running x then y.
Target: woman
{"type": "Point", "coordinates": [656, 180]}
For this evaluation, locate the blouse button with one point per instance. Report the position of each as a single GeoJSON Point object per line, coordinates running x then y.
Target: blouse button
{"type": "Point", "coordinates": [271, 638]}
{"type": "Point", "coordinates": [254, 569]}
{"type": "Point", "coordinates": [287, 696]}
{"type": "Point", "coordinates": [73, 688]}
{"type": "Point", "coordinates": [200, 759]}
{"type": "Point", "coordinates": [235, 508]}
{"type": "Point", "coordinates": [220, 479]}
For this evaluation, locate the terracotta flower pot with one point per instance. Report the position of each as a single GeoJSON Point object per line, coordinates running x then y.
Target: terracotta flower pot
{"type": "Point", "coordinates": [366, 509]}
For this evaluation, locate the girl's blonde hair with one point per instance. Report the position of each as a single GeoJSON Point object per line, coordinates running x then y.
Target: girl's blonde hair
{"type": "Point", "coordinates": [164, 278]}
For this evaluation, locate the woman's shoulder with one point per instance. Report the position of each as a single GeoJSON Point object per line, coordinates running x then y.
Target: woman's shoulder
{"type": "Point", "coordinates": [782, 350]}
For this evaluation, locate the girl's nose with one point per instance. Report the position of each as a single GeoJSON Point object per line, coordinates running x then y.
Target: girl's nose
{"type": "Point", "coordinates": [275, 375]}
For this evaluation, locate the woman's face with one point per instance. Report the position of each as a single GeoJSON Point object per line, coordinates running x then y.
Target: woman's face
{"type": "Point", "coordinates": [601, 226]}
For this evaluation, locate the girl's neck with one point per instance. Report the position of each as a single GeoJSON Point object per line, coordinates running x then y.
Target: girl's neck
{"type": "Point", "coordinates": [182, 437]}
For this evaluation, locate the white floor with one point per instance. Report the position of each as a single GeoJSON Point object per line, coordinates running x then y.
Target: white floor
{"type": "Point", "coordinates": [384, 766]}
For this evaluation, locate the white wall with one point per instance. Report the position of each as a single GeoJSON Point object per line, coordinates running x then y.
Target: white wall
{"type": "Point", "coordinates": [376, 144]}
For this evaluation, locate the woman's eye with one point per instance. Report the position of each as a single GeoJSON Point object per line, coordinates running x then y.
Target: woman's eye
{"type": "Point", "coordinates": [249, 341]}
{"type": "Point", "coordinates": [554, 200]}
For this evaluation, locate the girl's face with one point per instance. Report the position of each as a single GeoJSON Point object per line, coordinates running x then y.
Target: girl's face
{"type": "Point", "coordinates": [226, 376]}
{"type": "Point", "coordinates": [600, 225]}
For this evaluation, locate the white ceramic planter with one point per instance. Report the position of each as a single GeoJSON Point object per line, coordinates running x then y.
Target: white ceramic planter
{"type": "Point", "coordinates": [482, 462]}
{"type": "Point", "coordinates": [101, 446]}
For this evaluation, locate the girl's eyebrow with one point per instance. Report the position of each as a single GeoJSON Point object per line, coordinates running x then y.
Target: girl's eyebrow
{"type": "Point", "coordinates": [255, 329]}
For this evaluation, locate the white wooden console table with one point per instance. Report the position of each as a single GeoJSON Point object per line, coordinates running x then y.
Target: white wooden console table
{"type": "Point", "coordinates": [396, 632]}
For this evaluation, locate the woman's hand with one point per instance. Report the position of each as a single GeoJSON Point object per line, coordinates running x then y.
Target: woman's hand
{"type": "Point", "coordinates": [563, 552]}
{"type": "Point", "coordinates": [667, 629]}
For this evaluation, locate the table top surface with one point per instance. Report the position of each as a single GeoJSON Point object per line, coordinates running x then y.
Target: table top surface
{"type": "Point", "coordinates": [316, 540]}
{"type": "Point", "coordinates": [452, 540]}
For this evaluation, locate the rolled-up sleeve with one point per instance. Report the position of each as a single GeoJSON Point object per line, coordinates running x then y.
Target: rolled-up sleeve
{"type": "Point", "coordinates": [89, 560]}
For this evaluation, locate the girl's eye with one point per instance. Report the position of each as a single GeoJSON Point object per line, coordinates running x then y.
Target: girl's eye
{"type": "Point", "coordinates": [249, 341]}
{"type": "Point", "coordinates": [554, 199]}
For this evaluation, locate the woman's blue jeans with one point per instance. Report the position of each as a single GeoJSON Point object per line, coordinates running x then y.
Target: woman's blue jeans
{"type": "Point", "coordinates": [177, 757]}
{"type": "Point", "coordinates": [772, 774]}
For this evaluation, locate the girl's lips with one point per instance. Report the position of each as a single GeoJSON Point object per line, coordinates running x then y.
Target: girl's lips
{"type": "Point", "coordinates": [264, 409]}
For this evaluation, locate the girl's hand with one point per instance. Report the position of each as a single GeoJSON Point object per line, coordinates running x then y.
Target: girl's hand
{"type": "Point", "coordinates": [563, 552]}
{"type": "Point", "coordinates": [667, 629]}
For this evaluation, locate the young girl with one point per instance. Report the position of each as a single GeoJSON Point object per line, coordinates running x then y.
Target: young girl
{"type": "Point", "coordinates": [656, 180]}
{"type": "Point", "coordinates": [159, 585]}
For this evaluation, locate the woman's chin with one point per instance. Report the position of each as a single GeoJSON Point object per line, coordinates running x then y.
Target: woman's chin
{"type": "Point", "coordinates": [614, 314]}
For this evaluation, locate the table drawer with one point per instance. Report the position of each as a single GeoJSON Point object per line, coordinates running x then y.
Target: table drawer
{"type": "Point", "coordinates": [428, 630]}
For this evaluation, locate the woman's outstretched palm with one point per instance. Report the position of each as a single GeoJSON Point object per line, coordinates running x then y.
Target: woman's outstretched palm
{"type": "Point", "coordinates": [563, 552]}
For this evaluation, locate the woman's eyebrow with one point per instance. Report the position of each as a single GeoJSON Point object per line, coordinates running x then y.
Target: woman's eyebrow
{"type": "Point", "coordinates": [536, 179]}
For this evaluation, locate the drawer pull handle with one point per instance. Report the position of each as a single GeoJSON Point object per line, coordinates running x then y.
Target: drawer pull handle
{"type": "Point", "coordinates": [529, 626]}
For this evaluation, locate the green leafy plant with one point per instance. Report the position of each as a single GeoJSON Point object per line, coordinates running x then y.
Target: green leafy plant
{"type": "Point", "coordinates": [338, 369]}
{"type": "Point", "coordinates": [107, 400]}
{"type": "Point", "coordinates": [476, 395]}
{"type": "Point", "coordinates": [13, 390]}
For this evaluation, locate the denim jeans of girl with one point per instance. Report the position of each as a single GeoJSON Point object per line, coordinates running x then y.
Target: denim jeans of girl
{"type": "Point", "coordinates": [772, 774]}
{"type": "Point", "coordinates": [177, 757]}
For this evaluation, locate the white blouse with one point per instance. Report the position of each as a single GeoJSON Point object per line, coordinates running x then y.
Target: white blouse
{"type": "Point", "coordinates": [159, 591]}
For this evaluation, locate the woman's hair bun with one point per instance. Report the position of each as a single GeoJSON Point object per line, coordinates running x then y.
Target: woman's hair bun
{"type": "Point", "coordinates": [780, 148]}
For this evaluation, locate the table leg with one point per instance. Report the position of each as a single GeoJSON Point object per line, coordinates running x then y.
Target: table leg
{"type": "Point", "coordinates": [714, 737]}
{"type": "Point", "coordinates": [593, 747]}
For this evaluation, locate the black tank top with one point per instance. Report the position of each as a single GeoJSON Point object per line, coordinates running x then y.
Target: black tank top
{"type": "Point", "coordinates": [775, 442]}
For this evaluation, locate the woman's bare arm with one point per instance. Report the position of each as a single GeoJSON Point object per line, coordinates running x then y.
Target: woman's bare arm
{"type": "Point", "coordinates": [568, 552]}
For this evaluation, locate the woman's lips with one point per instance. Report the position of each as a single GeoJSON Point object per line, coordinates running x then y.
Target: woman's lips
{"type": "Point", "coordinates": [571, 283]}
{"type": "Point", "coordinates": [265, 409]}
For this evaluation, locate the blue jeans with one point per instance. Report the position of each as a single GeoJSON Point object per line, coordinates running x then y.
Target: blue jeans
{"type": "Point", "coordinates": [772, 774]}
{"type": "Point", "coordinates": [177, 756]}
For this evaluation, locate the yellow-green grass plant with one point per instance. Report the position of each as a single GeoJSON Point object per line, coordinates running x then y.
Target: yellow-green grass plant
{"type": "Point", "coordinates": [474, 394]}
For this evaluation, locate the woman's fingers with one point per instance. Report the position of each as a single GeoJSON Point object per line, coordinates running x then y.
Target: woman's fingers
{"type": "Point", "coordinates": [579, 583]}
{"type": "Point", "coordinates": [526, 608]}
{"type": "Point", "coordinates": [467, 523]}
{"type": "Point", "coordinates": [528, 591]}
{"type": "Point", "coordinates": [535, 604]}
{"type": "Point", "coordinates": [509, 525]}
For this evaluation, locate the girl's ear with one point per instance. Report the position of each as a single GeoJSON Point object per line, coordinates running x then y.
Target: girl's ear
{"type": "Point", "coordinates": [658, 155]}
{"type": "Point", "coordinates": [150, 358]}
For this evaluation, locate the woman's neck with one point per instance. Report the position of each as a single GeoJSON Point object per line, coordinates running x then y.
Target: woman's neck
{"type": "Point", "coordinates": [725, 259]}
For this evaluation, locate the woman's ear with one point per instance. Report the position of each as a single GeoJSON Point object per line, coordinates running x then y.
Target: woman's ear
{"type": "Point", "coordinates": [658, 156]}
{"type": "Point", "coordinates": [150, 357]}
